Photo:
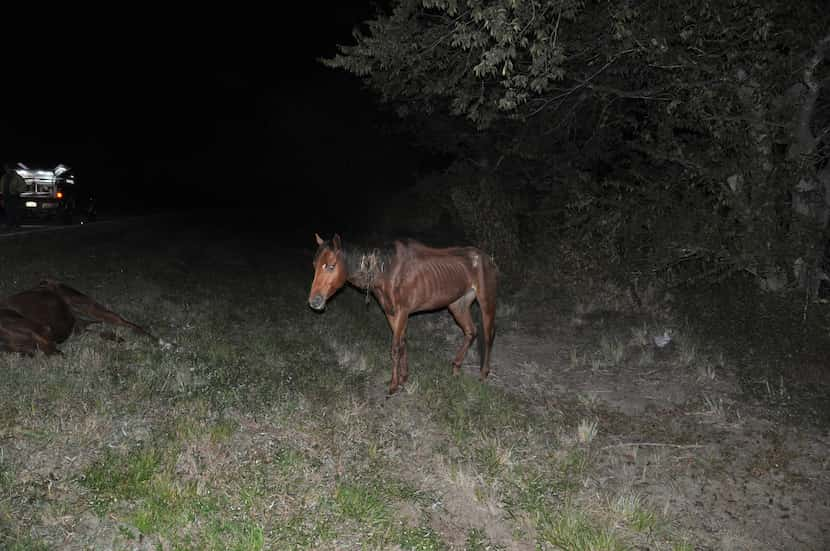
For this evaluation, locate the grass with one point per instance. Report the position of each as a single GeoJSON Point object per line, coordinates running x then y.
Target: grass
{"type": "Point", "coordinates": [116, 477]}
{"type": "Point", "coordinates": [146, 488]}
{"type": "Point", "coordinates": [265, 424]}
{"type": "Point", "coordinates": [574, 530]}
{"type": "Point", "coordinates": [362, 504]}
{"type": "Point", "coordinates": [27, 544]}
{"type": "Point", "coordinates": [477, 540]}
{"type": "Point", "coordinates": [630, 510]}
{"type": "Point", "coordinates": [586, 431]}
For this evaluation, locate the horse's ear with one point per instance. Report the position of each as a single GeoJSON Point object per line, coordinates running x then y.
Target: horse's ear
{"type": "Point", "coordinates": [336, 241]}
{"type": "Point", "coordinates": [319, 239]}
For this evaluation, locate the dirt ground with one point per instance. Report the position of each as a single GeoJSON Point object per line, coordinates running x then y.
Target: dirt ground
{"type": "Point", "coordinates": [677, 427]}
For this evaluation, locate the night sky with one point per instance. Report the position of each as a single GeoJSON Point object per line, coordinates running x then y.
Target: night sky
{"type": "Point", "coordinates": [212, 107]}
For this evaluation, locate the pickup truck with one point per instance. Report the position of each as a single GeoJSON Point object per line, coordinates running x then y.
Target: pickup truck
{"type": "Point", "coordinates": [52, 193]}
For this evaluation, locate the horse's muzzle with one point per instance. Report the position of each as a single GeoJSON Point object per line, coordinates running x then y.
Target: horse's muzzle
{"type": "Point", "coordinates": [317, 302]}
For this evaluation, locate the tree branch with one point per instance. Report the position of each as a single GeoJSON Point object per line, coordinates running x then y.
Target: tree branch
{"type": "Point", "coordinates": [805, 142]}
{"type": "Point", "coordinates": [651, 93]}
{"type": "Point", "coordinates": [583, 84]}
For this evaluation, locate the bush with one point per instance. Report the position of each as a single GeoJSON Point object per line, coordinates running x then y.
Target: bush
{"type": "Point", "coordinates": [488, 216]}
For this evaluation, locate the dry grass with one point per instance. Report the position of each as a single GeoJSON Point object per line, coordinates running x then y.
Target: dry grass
{"type": "Point", "coordinates": [265, 426]}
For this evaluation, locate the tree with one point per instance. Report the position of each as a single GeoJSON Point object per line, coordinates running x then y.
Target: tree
{"type": "Point", "coordinates": [703, 126]}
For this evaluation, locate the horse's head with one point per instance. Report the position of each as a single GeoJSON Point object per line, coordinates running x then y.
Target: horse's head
{"type": "Point", "coordinates": [330, 271]}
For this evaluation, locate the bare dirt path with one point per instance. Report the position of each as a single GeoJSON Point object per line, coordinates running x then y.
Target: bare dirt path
{"type": "Point", "coordinates": [673, 429]}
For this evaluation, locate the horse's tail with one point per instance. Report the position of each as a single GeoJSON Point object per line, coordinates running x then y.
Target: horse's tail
{"type": "Point", "coordinates": [487, 312]}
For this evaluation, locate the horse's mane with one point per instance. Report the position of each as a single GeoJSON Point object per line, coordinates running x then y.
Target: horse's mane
{"type": "Point", "coordinates": [365, 262]}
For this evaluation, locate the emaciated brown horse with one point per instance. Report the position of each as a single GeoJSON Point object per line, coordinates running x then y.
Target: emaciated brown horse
{"type": "Point", "coordinates": [40, 318]}
{"type": "Point", "coordinates": [408, 278]}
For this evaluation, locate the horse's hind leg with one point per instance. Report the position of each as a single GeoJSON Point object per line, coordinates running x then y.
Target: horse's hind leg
{"type": "Point", "coordinates": [82, 324]}
{"type": "Point", "coordinates": [14, 341]}
{"type": "Point", "coordinates": [46, 345]}
{"type": "Point", "coordinates": [100, 313]}
{"type": "Point", "coordinates": [460, 310]}
{"type": "Point", "coordinates": [26, 341]}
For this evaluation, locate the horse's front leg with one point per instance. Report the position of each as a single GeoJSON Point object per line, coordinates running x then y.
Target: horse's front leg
{"type": "Point", "coordinates": [400, 369]}
{"type": "Point", "coordinates": [404, 361]}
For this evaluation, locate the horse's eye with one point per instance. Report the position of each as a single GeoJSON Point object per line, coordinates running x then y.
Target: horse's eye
{"type": "Point", "coordinates": [329, 267]}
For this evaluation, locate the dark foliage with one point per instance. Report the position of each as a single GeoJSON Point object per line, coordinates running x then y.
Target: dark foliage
{"type": "Point", "coordinates": [675, 140]}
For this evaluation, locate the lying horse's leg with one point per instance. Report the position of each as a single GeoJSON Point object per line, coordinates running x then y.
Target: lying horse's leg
{"type": "Point", "coordinates": [100, 313]}
{"type": "Point", "coordinates": [460, 310]}
{"type": "Point", "coordinates": [85, 306]}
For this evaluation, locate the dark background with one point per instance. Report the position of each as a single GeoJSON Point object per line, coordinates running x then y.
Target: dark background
{"type": "Point", "coordinates": [203, 108]}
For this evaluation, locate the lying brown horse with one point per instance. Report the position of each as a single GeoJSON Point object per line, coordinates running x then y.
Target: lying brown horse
{"type": "Point", "coordinates": [408, 278]}
{"type": "Point", "coordinates": [40, 318]}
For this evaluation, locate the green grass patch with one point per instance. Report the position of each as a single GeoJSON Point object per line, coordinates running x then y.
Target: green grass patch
{"type": "Point", "coordinates": [139, 485]}
{"type": "Point", "coordinates": [6, 476]}
{"type": "Point", "coordinates": [477, 540]}
{"type": "Point", "coordinates": [573, 530]}
{"type": "Point", "coordinates": [421, 538]}
{"type": "Point", "coordinates": [168, 505]}
{"type": "Point", "coordinates": [122, 477]}
{"type": "Point", "coordinates": [222, 431]}
{"type": "Point", "coordinates": [363, 504]}
{"type": "Point", "coordinates": [289, 460]}
{"type": "Point", "coordinates": [371, 505]}
{"type": "Point", "coordinates": [24, 544]}
{"type": "Point", "coordinates": [305, 530]}
{"type": "Point", "coordinates": [234, 535]}
{"type": "Point", "coordinates": [466, 407]}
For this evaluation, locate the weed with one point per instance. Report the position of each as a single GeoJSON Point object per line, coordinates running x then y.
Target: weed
{"type": "Point", "coordinates": [586, 431]}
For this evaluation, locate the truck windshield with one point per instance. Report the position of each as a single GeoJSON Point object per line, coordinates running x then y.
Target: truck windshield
{"type": "Point", "coordinates": [38, 181]}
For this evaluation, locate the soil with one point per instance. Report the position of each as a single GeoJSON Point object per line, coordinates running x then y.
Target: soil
{"type": "Point", "coordinates": [730, 446]}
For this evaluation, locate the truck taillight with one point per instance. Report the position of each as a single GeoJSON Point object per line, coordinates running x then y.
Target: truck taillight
{"type": "Point", "coordinates": [59, 195]}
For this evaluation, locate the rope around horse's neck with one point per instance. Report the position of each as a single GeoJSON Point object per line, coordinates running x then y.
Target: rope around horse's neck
{"type": "Point", "coordinates": [370, 266]}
